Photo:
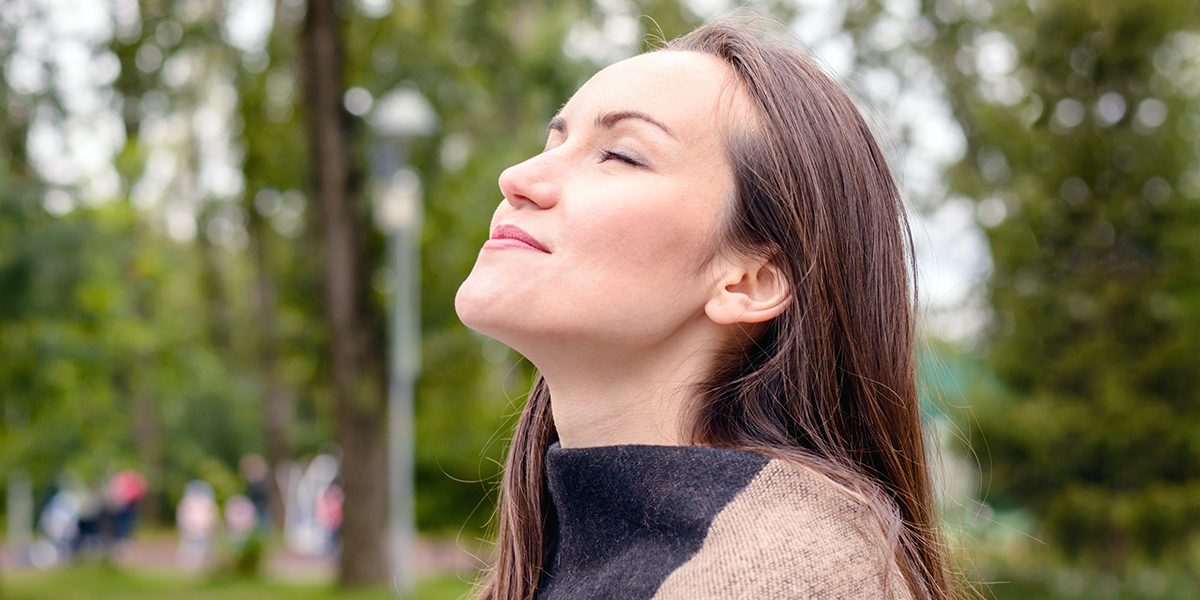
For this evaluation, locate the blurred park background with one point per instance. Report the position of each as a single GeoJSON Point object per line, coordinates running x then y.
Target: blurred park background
{"type": "Point", "coordinates": [231, 232]}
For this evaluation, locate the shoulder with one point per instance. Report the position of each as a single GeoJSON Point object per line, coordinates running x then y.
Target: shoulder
{"type": "Point", "coordinates": [791, 533]}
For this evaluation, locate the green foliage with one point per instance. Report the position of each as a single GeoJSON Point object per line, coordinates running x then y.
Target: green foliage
{"type": "Point", "coordinates": [1092, 201]}
{"type": "Point", "coordinates": [94, 329]}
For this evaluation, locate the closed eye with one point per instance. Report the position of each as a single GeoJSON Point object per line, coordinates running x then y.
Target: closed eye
{"type": "Point", "coordinates": [610, 155]}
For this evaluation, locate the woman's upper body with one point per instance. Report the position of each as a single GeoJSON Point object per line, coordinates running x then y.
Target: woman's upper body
{"type": "Point", "coordinates": [693, 523]}
{"type": "Point", "coordinates": [711, 253]}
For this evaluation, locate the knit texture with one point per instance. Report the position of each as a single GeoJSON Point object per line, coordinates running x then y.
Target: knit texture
{"type": "Point", "coordinates": [692, 523]}
{"type": "Point", "coordinates": [630, 515]}
{"type": "Point", "coordinates": [790, 534]}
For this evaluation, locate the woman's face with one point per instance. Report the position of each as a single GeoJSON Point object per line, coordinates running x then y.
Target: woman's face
{"type": "Point", "coordinates": [604, 238]}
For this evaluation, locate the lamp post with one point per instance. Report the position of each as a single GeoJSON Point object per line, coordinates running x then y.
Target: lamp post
{"type": "Point", "coordinates": [397, 118]}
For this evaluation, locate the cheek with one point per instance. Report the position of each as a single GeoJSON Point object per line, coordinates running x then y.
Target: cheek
{"type": "Point", "coordinates": [661, 237]}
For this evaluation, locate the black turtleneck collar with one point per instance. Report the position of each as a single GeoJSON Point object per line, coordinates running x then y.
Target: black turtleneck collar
{"type": "Point", "coordinates": [630, 515]}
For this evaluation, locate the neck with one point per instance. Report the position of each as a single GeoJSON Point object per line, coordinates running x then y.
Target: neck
{"type": "Point", "coordinates": [627, 395]}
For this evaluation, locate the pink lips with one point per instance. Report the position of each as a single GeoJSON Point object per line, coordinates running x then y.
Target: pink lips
{"type": "Point", "coordinates": [511, 236]}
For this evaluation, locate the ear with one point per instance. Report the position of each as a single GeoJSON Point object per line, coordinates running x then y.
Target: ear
{"type": "Point", "coordinates": [748, 290]}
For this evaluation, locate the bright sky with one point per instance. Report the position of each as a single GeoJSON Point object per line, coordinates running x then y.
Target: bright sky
{"type": "Point", "coordinates": [904, 100]}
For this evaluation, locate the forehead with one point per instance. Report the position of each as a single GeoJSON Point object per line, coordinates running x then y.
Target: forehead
{"type": "Point", "coordinates": [690, 92]}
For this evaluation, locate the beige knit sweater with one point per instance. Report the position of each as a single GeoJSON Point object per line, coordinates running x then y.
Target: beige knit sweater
{"type": "Point", "coordinates": [670, 523]}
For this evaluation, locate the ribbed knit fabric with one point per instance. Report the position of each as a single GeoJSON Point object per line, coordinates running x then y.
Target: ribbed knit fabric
{"type": "Point", "coordinates": [692, 523]}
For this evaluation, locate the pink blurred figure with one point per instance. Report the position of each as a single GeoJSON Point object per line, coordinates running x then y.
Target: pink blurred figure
{"type": "Point", "coordinates": [196, 519]}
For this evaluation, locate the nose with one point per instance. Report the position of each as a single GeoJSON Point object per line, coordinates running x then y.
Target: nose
{"type": "Point", "coordinates": [531, 183]}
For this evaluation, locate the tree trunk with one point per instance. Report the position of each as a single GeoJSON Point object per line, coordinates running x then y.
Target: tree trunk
{"type": "Point", "coordinates": [277, 402]}
{"type": "Point", "coordinates": [146, 419]}
{"type": "Point", "coordinates": [212, 285]}
{"type": "Point", "coordinates": [356, 357]}
{"type": "Point", "coordinates": [148, 443]}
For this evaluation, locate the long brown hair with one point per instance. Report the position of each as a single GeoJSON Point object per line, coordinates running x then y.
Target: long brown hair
{"type": "Point", "coordinates": [829, 383]}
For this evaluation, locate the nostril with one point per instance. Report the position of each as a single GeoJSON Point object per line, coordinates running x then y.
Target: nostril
{"type": "Point", "coordinates": [516, 200]}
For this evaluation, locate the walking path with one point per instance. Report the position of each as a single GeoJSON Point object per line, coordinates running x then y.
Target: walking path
{"type": "Point", "coordinates": [157, 552]}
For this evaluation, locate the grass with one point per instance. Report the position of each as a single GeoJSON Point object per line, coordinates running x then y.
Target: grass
{"type": "Point", "coordinates": [1074, 585]}
{"type": "Point", "coordinates": [93, 582]}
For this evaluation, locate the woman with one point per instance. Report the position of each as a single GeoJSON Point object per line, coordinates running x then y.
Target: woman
{"type": "Point", "coordinates": [707, 265]}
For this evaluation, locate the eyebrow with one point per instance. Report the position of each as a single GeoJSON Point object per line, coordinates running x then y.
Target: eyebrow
{"type": "Point", "coordinates": [608, 120]}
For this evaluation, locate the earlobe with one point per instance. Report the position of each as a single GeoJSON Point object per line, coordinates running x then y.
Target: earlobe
{"type": "Point", "coordinates": [754, 292]}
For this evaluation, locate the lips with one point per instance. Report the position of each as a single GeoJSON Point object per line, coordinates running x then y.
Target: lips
{"type": "Point", "coordinates": [513, 237]}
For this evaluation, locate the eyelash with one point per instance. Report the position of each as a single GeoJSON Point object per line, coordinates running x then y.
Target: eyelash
{"type": "Point", "coordinates": [609, 154]}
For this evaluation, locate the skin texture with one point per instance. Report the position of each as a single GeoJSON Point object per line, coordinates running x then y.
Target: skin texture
{"type": "Point", "coordinates": [633, 299]}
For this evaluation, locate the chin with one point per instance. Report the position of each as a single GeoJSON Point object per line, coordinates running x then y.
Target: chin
{"type": "Point", "coordinates": [482, 304]}
{"type": "Point", "coordinates": [495, 311]}
{"type": "Point", "coordinates": [471, 305]}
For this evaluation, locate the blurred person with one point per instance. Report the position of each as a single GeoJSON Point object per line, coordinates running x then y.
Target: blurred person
{"type": "Point", "coordinates": [709, 265]}
{"type": "Point", "coordinates": [256, 473]}
{"type": "Point", "coordinates": [241, 518]}
{"type": "Point", "coordinates": [94, 518]}
{"type": "Point", "coordinates": [59, 523]}
{"type": "Point", "coordinates": [126, 489]}
{"type": "Point", "coordinates": [303, 532]}
{"type": "Point", "coordinates": [196, 519]}
{"type": "Point", "coordinates": [243, 534]}
{"type": "Point", "coordinates": [328, 515]}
